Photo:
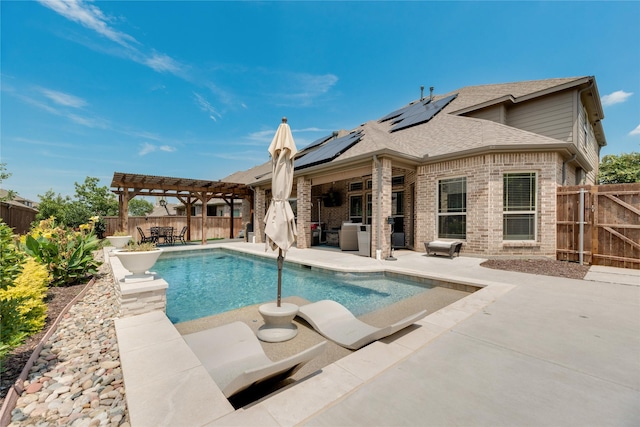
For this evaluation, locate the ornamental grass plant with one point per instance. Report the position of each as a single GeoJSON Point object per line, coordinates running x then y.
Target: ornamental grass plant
{"type": "Point", "coordinates": [139, 247]}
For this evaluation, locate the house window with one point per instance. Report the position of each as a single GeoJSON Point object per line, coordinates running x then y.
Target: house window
{"type": "Point", "coordinates": [369, 207]}
{"type": "Point", "coordinates": [355, 186]}
{"type": "Point", "coordinates": [397, 211]}
{"type": "Point", "coordinates": [397, 180]}
{"type": "Point", "coordinates": [519, 206]}
{"type": "Point", "coordinates": [355, 208]}
{"type": "Point", "coordinates": [212, 210]}
{"type": "Point", "coordinates": [452, 208]}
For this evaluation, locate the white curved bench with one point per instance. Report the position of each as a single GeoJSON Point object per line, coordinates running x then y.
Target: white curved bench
{"type": "Point", "coordinates": [442, 247]}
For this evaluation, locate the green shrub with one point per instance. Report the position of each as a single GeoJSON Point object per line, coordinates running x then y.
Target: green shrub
{"type": "Point", "coordinates": [22, 308]}
{"type": "Point", "coordinates": [66, 253]}
{"type": "Point", "coordinates": [10, 258]}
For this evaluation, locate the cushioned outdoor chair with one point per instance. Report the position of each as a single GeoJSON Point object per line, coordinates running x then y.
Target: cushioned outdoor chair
{"type": "Point", "coordinates": [335, 322]}
{"type": "Point", "coordinates": [235, 359]}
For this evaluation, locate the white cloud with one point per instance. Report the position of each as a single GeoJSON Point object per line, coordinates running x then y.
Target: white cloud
{"type": "Point", "coordinates": [616, 97]}
{"type": "Point", "coordinates": [262, 136]}
{"type": "Point", "coordinates": [88, 121]}
{"type": "Point", "coordinates": [310, 130]}
{"type": "Point", "coordinates": [635, 132]}
{"type": "Point", "coordinates": [64, 99]}
{"type": "Point", "coordinates": [142, 134]}
{"type": "Point", "coordinates": [303, 89]}
{"type": "Point", "coordinates": [90, 17]}
{"type": "Point", "coordinates": [317, 84]}
{"type": "Point", "coordinates": [161, 63]}
{"type": "Point", "coordinates": [67, 100]}
{"type": "Point", "coordinates": [147, 148]}
{"type": "Point", "coordinates": [245, 156]}
{"type": "Point", "coordinates": [207, 107]}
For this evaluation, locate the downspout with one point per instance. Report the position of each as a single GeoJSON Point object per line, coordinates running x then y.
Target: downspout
{"type": "Point", "coordinates": [379, 209]}
{"type": "Point", "coordinates": [253, 217]}
{"type": "Point", "coordinates": [564, 168]}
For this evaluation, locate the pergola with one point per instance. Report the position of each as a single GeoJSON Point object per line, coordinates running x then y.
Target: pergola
{"type": "Point", "coordinates": [128, 185]}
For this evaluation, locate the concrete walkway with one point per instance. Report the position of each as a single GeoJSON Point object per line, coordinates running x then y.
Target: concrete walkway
{"type": "Point", "coordinates": [525, 350]}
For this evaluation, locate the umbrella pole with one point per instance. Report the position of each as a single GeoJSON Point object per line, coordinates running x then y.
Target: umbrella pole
{"type": "Point", "coordinates": [280, 262]}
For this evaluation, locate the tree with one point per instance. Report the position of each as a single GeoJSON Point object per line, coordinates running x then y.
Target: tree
{"type": "Point", "coordinates": [4, 175]}
{"type": "Point", "coordinates": [91, 200]}
{"type": "Point", "coordinates": [140, 207]}
{"type": "Point", "coordinates": [52, 205]}
{"type": "Point", "coordinates": [619, 169]}
{"type": "Point", "coordinates": [98, 200]}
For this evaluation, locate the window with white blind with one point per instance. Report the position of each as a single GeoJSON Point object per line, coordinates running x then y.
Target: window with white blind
{"type": "Point", "coordinates": [519, 206]}
{"type": "Point", "coordinates": [452, 208]}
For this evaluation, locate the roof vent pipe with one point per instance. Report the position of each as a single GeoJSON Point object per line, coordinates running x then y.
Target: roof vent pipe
{"type": "Point", "coordinates": [421, 93]}
{"type": "Point", "coordinates": [431, 93]}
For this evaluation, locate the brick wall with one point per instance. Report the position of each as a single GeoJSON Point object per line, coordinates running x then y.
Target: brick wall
{"type": "Point", "coordinates": [334, 216]}
{"type": "Point", "coordinates": [259, 213]}
{"type": "Point", "coordinates": [304, 213]}
{"type": "Point", "coordinates": [484, 201]}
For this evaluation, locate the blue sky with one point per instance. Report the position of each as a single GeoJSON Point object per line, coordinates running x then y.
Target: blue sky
{"type": "Point", "coordinates": [197, 89]}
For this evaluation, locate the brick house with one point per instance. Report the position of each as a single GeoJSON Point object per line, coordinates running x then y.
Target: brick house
{"type": "Point", "coordinates": [479, 165]}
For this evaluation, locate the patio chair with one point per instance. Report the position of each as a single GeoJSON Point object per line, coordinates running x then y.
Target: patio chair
{"type": "Point", "coordinates": [335, 322]}
{"type": "Point", "coordinates": [145, 239]}
{"type": "Point", "coordinates": [180, 237]}
{"type": "Point", "coordinates": [235, 359]}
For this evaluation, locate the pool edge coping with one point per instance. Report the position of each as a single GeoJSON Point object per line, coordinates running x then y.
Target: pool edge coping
{"type": "Point", "coordinates": [333, 383]}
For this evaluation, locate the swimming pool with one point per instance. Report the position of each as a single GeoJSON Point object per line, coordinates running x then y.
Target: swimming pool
{"type": "Point", "coordinates": [207, 282]}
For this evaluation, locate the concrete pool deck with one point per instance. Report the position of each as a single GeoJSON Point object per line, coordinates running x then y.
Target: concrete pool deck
{"type": "Point", "coordinates": [524, 350]}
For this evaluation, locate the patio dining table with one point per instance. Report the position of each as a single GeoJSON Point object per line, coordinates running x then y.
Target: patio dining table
{"type": "Point", "coordinates": [165, 233]}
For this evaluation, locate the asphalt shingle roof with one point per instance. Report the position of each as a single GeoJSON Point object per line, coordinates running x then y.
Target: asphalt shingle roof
{"type": "Point", "coordinates": [446, 133]}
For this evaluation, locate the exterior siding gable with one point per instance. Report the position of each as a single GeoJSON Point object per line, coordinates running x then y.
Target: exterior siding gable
{"type": "Point", "coordinates": [496, 114]}
{"type": "Point", "coordinates": [550, 116]}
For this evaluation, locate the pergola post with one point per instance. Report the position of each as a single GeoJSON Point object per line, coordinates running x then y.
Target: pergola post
{"type": "Point", "coordinates": [188, 205]}
{"type": "Point", "coordinates": [124, 211]}
{"type": "Point", "coordinates": [230, 203]}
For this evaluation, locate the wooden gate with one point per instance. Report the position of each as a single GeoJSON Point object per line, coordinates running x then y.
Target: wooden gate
{"type": "Point", "coordinates": [607, 233]}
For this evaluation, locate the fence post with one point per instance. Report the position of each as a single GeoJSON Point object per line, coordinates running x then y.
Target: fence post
{"type": "Point", "coordinates": [581, 227]}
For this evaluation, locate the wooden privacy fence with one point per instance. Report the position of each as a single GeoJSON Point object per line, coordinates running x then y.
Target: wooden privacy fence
{"type": "Point", "coordinates": [599, 225]}
{"type": "Point", "coordinates": [17, 217]}
{"type": "Point", "coordinates": [218, 227]}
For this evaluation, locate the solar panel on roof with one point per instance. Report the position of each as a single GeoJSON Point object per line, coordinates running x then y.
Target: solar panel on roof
{"type": "Point", "coordinates": [421, 114]}
{"type": "Point", "coordinates": [411, 111]}
{"type": "Point", "coordinates": [317, 142]}
{"type": "Point", "coordinates": [329, 150]}
{"type": "Point", "coordinates": [402, 111]}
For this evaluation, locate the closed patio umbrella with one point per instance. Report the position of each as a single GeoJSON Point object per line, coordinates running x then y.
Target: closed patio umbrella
{"type": "Point", "coordinates": [280, 225]}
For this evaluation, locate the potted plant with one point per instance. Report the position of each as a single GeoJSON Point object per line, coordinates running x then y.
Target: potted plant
{"type": "Point", "coordinates": [119, 239]}
{"type": "Point", "coordinates": [138, 258]}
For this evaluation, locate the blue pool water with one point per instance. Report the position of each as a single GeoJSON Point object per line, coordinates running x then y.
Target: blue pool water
{"type": "Point", "coordinates": [203, 283]}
